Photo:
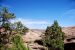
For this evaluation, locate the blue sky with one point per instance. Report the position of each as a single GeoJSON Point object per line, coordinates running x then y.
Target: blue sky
{"type": "Point", "coordinates": [38, 14]}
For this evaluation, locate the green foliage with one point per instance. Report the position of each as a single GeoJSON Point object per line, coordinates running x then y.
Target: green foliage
{"type": "Point", "coordinates": [6, 25]}
{"type": "Point", "coordinates": [20, 28]}
{"type": "Point", "coordinates": [5, 16]}
{"type": "Point", "coordinates": [7, 34]}
{"type": "Point", "coordinates": [18, 43]}
{"type": "Point", "coordinates": [54, 36]}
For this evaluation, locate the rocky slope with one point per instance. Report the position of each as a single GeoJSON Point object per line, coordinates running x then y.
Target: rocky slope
{"type": "Point", "coordinates": [32, 36]}
{"type": "Point", "coordinates": [70, 34]}
{"type": "Point", "coordinates": [69, 31]}
{"type": "Point", "coordinates": [35, 34]}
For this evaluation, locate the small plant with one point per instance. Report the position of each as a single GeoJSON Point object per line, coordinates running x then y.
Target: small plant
{"type": "Point", "coordinates": [18, 43]}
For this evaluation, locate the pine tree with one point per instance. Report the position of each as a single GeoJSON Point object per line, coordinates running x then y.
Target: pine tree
{"type": "Point", "coordinates": [20, 28]}
{"type": "Point", "coordinates": [7, 33]}
{"type": "Point", "coordinates": [54, 36]}
{"type": "Point", "coordinates": [5, 17]}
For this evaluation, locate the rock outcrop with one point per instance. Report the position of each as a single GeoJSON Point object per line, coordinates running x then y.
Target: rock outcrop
{"type": "Point", "coordinates": [70, 34]}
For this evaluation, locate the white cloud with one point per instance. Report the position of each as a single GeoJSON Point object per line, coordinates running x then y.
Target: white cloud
{"type": "Point", "coordinates": [68, 18]}
{"type": "Point", "coordinates": [32, 24]}
{"type": "Point", "coordinates": [71, 11]}
{"type": "Point", "coordinates": [69, 15]}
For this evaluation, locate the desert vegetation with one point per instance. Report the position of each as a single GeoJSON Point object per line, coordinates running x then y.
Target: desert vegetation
{"type": "Point", "coordinates": [10, 33]}
{"type": "Point", "coordinates": [54, 37]}
{"type": "Point", "coordinates": [37, 25]}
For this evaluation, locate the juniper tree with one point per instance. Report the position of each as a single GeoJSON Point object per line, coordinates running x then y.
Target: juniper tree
{"type": "Point", "coordinates": [54, 36]}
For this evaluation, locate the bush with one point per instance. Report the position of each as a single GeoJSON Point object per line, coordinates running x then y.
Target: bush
{"type": "Point", "coordinates": [54, 37]}
{"type": "Point", "coordinates": [18, 43]}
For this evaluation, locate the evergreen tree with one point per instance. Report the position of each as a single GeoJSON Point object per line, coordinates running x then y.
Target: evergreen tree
{"type": "Point", "coordinates": [5, 17]}
{"type": "Point", "coordinates": [54, 36]}
{"type": "Point", "coordinates": [20, 28]}
{"type": "Point", "coordinates": [7, 34]}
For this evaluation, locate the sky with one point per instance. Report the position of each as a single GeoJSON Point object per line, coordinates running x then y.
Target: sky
{"type": "Point", "coordinates": [38, 14]}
